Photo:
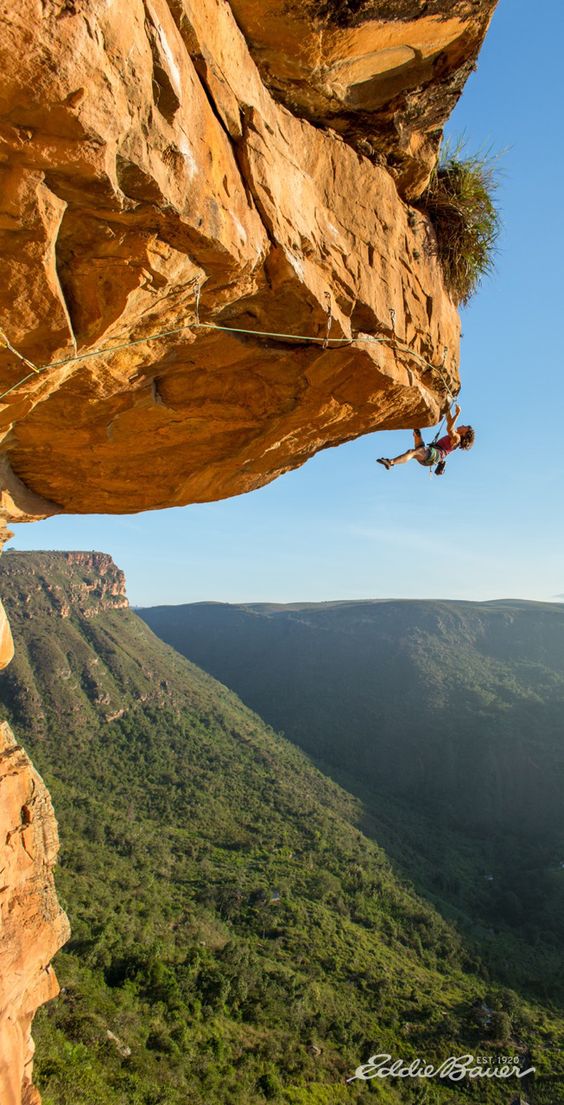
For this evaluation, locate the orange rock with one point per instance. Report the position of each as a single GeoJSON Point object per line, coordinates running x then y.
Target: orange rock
{"type": "Point", "coordinates": [147, 155]}
{"type": "Point", "coordinates": [32, 924]}
{"type": "Point", "coordinates": [384, 75]}
{"type": "Point", "coordinates": [6, 642]}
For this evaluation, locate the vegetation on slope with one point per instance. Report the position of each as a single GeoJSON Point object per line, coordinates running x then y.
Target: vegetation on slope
{"type": "Point", "coordinates": [236, 938]}
{"type": "Point", "coordinates": [446, 720]}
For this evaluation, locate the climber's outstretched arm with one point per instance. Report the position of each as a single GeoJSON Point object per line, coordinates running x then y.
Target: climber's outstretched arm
{"type": "Point", "coordinates": [451, 420]}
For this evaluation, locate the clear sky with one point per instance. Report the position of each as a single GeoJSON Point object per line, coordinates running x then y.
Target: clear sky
{"type": "Point", "coordinates": [343, 527]}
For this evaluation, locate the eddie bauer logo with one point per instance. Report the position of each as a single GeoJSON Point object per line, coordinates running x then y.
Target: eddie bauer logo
{"type": "Point", "coordinates": [455, 1068]}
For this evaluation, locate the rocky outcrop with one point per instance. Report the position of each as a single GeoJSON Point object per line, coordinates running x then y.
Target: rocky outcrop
{"type": "Point", "coordinates": [32, 924]}
{"type": "Point", "coordinates": [142, 156]}
{"type": "Point", "coordinates": [6, 642]}
{"type": "Point", "coordinates": [17, 502]}
{"type": "Point", "coordinates": [59, 584]}
{"type": "Point", "coordinates": [384, 75]}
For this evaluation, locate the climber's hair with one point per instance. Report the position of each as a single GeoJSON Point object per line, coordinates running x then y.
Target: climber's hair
{"type": "Point", "coordinates": [467, 438]}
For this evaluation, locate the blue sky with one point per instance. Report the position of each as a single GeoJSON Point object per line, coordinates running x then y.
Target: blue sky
{"type": "Point", "coordinates": [342, 527]}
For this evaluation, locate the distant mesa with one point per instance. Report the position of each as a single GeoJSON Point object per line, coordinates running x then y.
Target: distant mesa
{"type": "Point", "coordinates": [62, 583]}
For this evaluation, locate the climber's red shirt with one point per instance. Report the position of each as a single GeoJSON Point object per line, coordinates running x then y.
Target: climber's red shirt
{"type": "Point", "coordinates": [445, 444]}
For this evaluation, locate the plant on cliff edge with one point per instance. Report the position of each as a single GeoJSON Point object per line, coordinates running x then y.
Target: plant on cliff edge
{"type": "Point", "coordinates": [459, 202]}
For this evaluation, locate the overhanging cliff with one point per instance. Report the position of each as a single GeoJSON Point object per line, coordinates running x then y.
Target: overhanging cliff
{"type": "Point", "coordinates": [143, 156]}
{"type": "Point", "coordinates": [271, 160]}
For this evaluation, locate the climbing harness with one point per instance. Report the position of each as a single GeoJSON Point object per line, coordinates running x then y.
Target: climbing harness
{"type": "Point", "coordinates": [433, 458]}
{"type": "Point", "coordinates": [358, 339]}
{"type": "Point", "coordinates": [439, 463]}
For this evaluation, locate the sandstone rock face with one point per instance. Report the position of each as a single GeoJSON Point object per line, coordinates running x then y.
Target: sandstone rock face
{"type": "Point", "coordinates": [141, 155]}
{"type": "Point", "coordinates": [6, 642]}
{"type": "Point", "coordinates": [32, 924]}
{"type": "Point", "coordinates": [384, 75]}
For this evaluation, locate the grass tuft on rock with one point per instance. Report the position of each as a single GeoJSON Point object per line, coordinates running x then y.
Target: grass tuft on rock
{"type": "Point", "coordinates": [460, 203]}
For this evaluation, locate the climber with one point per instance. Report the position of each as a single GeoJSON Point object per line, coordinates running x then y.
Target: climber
{"type": "Point", "coordinates": [429, 455]}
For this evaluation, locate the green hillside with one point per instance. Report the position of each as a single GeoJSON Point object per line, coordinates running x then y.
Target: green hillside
{"type": "Point", "coordinates": [236, 938]}
{"type": "Point", "coordinates": [447, 720]}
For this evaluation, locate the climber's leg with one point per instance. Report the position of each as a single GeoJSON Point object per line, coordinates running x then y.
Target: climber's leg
{"type": "Point", "coordinates": [419, 454]}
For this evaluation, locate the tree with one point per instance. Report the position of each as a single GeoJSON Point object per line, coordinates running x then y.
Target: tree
{"type": "Point", "coordinates": [501, 1026]}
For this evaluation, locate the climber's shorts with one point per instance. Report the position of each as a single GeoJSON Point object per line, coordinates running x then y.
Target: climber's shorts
{"type": "Point", "coordinates": [432, 456]}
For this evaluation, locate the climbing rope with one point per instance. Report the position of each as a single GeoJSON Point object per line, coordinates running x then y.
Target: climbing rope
{"type": "Point", "coordinates": [16, 352]}
{"type": "Point", "coordinates": [85, 356]}
{"type": "Point", "coordinates": [366, 339]}
{"type": "Point", "coordinates": [439, 432]}
{"type": "Point", "coordinates": [440, 370]}
{"type": "Point", "coordinates": [450, 398]}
